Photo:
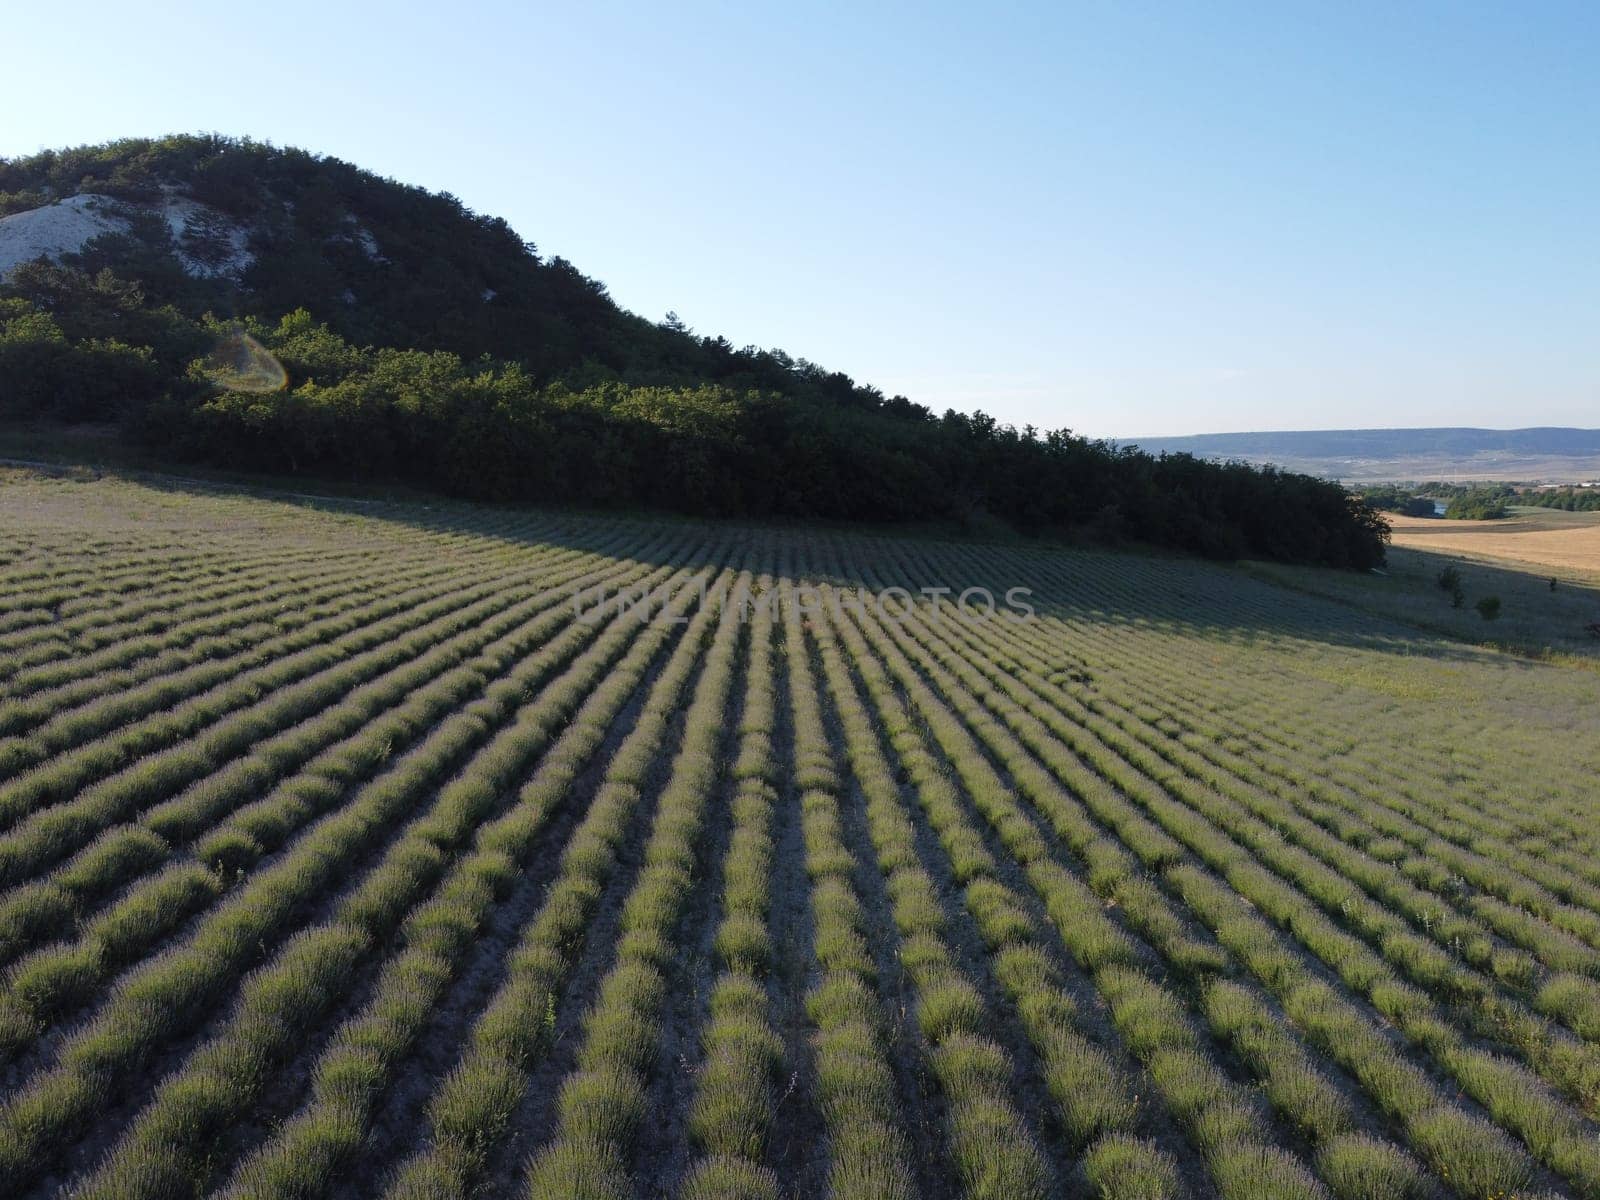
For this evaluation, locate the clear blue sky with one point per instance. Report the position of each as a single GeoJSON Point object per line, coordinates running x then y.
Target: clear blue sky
{"type": "Point", "coordinates": [1122, 218]}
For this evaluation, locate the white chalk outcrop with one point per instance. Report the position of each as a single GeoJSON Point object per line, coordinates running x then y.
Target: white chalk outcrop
{"type": "Point", "coordinates": [209, 243]}
{"type": "Point", "coordinates": [64, 227]}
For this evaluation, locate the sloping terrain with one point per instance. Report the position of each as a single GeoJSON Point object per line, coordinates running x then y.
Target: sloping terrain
{"type": "Point", "coordinates": [380, 850]}
{"type": "Point", "coordinates": [417, 342]}
{"type": "Point", "coordinates": [1533, 536]}
{"type": "Point", "coordinates": [206, 242]}
{"type": "Point", "coordinates": [54, 230]}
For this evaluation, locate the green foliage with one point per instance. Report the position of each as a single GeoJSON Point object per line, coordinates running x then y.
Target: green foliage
{"type": "Point", "coordinates": [445, 352]}
{"type": "Point", "coordinates": [1488, 607]}
{"type": "Point", "coordinates": [1449, 580]}
{"type": "Point", "coordinates": [728, 1178]}
{"type": "Point", "coordinates": [1391, 497]}
{"type": "Point", "coordinates": [1470, 1154]}
{"type": "Point", "coordinates": [44, 373]}
{"type": "Point", "coordinates": [1479, 504]}
{"type": "Point", "coordinates": [1360, 1167]}
{"type": "Point", "coordinates": [1569, 499]}
{"type": "Point", "coordinates": [1298, 942]}
{"type": "Point", "coordinates": [993, 1153]}
{"type": "Point", "coordinates": [1122, 1167]}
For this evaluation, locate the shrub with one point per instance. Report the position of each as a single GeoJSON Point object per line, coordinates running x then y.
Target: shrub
{"type": "Point", "coordinates": [573, 1169]}
{"type": "Point", "coordinates": [969, 1066]}
{"type": "Point", "coordinates": [1255, 1172]}
{"type": "Point", "coordinates": [722, 1177]}
{"type": "Point", "coordinates": [949, 1005]}
{"type": "Point", "coordinates": [994, 1154]}
{"type": "Point", "coordinates": [869, 1163]}
{"type": "Point", "coordinates": [1127, 1168]}
{"type": "Point", "coordinates": [732, 1109]}
{"type": "Point", "coordinates": [1474, 1157]}
{"type": "Point", "coordinates": [1360, 1167]}
{"type": "Point", "coordinates": [1093, 1095]}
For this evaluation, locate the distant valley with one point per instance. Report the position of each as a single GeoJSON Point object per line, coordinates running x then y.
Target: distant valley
{"type": "Point", "coordinates": [1545, 454]}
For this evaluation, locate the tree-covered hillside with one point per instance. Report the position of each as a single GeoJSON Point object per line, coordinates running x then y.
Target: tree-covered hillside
{"type": "Point", "coordinates": [426, 343]}
{"type": "Point", "coordinates": [382, 264]}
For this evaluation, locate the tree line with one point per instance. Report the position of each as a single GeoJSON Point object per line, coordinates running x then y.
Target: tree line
{"type": "Point", "coordinates": [429, 345]}
{"type": "Point", "coordinates": [1463, 502]}
{"type": "Point", "coordinates": [1572, 499]}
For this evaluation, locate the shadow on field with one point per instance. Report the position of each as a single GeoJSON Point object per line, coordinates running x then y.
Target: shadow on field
{"type": "Point", "coordinates": [1533, 617]}
{"type": "Point", "coordinates": [1401, 611]}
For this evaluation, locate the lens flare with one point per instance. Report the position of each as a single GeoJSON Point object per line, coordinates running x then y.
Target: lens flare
{"type": "Point", "coordinates": [239, 363]}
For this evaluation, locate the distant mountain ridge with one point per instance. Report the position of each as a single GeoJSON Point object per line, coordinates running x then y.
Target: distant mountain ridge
{"type": "Point", "coordinates": [1547, 452]}
{"type": "Point", "coordinates": [1539, 439]}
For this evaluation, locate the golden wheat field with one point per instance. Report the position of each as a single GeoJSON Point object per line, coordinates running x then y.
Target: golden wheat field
{"type": "Point", "coordinates": [1539, 537]}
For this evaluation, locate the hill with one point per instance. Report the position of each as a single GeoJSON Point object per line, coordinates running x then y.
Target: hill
{"type": "Point", "coordinates": [1542, 454]}
{"type": "Point", "coordinates": [422, 342]}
